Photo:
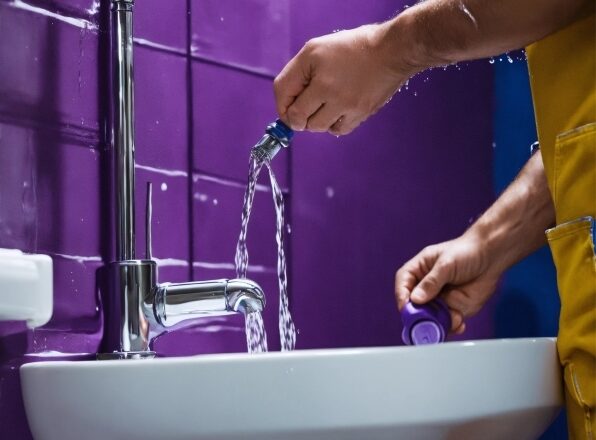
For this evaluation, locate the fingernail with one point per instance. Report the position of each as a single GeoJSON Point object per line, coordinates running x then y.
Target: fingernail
{"type": "Point", "coordinates": [417, 295]}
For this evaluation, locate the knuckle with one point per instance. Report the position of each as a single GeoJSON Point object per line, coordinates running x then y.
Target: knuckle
{"type": "Point", "coordinates": [311, 44]}
{"type": "Point", "coordinates": [295, 114]}
{"type": "Point", "coordinates": [277, 83]}
{"type": "Point", "coordinates": [426, 251]}
{"type": "Point", "coordinates": [445, 264]}
{"type": "Point", "coordinates": [345, 130]}
{"type": "Point", "coordinates": [430, 280]}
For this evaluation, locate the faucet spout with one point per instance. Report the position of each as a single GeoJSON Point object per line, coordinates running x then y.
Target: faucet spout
{"type": "Point", "coordinates": [178, 302]}
{"type": "Point", "coordinates": [245, 296]}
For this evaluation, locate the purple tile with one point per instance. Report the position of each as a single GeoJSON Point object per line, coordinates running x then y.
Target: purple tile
{"type": "Point", "coordinates": [173, 271]}
{"type": "Point", "coordinates": [161, 22]}
{"type": "Point", "coordinates": [68, 198]}
{"type": "Point", "coordinates": [160, 109]}
{"type": "Point", "coordinates": [18, 195]}
{"type": "Point", "coordinates": [76, 324]}
{"type": "Point", "coordinates": [217, 217]}
{"type": "Point", "coordinates": [52, 76]}
{"type": "Point", "coordinates": [69, 8]}
{"type": "Point", "coordinates": [231, 112]}
{"type": "Point", "coordinates": [310, 18]}
{"type": "Point", "coordinates": [59, 208]}
{"type": "Point", "coordinates": [210, 335]}
{"type": "Point", "coordinates": [253, 34]}
{"type": "Point", "coordinates": [170, 225]}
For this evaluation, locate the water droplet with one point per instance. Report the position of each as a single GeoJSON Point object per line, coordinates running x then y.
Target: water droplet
{"type": "Point", "coordinates": [492, 61]}
{"type": "Point", "coordinates": [164, 186]}
{"type": "Point", "coordinates": [215, 202]}
{"type": "Point", "coordinates": [494, 145]}
{"type": "Point", "coordinates": [509, 59]}
{"type": "Point", "coordinates": [201, 197]}
{"type": "Point", "coordinates": [221, 19]}
{"type": "Point", "coordinates": [288, 229]}
{"type": "Point", "coordinates": [330, 192]}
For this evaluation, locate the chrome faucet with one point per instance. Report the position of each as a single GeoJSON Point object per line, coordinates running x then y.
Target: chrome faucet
{"type": "Point", "coordinates": [136, 306]}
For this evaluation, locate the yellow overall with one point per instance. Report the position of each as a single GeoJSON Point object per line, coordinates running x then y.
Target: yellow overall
{"type": "Point", "coordinates": [563, 79]}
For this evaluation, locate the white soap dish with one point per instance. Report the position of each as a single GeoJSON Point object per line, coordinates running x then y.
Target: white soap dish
{"type": "Point", "coordinates": [26, 287]}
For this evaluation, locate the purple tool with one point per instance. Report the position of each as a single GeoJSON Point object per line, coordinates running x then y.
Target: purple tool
{"type": "Point", "coordinates": [426, 323]}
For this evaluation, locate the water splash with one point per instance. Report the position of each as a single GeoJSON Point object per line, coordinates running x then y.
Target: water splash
{"type": "Point", "coordinates": [241, 258]}
{"type": "Point", "coordinates": [256, 336]}
{"type": "Point", "coordinates": [287, 331]}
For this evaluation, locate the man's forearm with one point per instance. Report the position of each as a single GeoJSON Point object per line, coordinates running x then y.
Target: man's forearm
{"type": "Point", "coordinates": [514, 225]}
{"type": "Point", "coordinates": [439, 32]}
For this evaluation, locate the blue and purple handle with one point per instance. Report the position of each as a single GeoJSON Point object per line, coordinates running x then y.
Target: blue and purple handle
{"type": "Point", "coordinates": [425, 323]}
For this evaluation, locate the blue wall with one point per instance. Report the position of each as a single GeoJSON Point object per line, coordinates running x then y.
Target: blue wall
{"type": "Point", "coordinates": [528, 302]}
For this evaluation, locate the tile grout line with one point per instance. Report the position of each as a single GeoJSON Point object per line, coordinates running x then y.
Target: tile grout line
{"type": "Point", "coordinates": [190, 139]}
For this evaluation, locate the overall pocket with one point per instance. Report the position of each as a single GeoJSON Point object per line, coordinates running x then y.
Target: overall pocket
{"type": "Point", "coordinates": [572, 247]}
{"type": "Point", "coordinates": [574, 187]}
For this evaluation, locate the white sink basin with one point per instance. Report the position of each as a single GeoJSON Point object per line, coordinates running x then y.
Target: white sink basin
{"type": "Point", "coordinates": [496, 389]}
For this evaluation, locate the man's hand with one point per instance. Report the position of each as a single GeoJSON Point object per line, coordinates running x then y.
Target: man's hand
{"type": "Point", "coordinates": [337, 81]}
{"type": "Point", "coordinates": [458, 270]}
{"type": "Point", "coordinates": [465, 271]}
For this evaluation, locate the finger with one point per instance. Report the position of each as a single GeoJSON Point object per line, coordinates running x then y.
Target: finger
{"type": "Point", "coordinates": [404, 283]}
{"type": "Point", "coordinates": [324, 118]}
{"type": "Point", "coordinates": [290, 83]}
{"type": "Point", "coordinates": [411, 273]}
{"type": "Point", "coordinates": [461, 329]}
{"type": "Point", "coordinates": [457, 319]}
{"type": "Point", "coordinates": [346, 124]}
{"type": "Point", "coordinates": [432, 283]}
{"type": "Point", "coordinates": [457, 300]}
{"type": "Point", "coordinates": [305, 105]}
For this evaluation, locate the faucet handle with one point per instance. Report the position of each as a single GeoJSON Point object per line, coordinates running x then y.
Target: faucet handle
{"type": "Point", "coordinates": [148, 218]}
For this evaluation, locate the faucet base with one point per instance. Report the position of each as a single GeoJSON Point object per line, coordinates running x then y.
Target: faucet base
{"type": "Point", "coordinates": [125, 355]}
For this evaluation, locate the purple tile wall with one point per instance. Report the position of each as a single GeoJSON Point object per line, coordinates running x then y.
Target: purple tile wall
{"type": "Point", "coordinates": [253, 35]}
{"type": "Point", "coordinates": [357, 206]}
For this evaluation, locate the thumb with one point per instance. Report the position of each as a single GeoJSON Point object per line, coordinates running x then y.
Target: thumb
{"type": "Point", "coordinates": [432, 283]}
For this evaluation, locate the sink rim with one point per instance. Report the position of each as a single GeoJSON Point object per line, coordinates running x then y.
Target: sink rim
{"type": "Point", "coordinates": [298, 354]}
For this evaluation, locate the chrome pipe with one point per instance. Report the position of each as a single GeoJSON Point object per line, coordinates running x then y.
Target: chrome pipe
{"type": "Point", "coordinates": [123, 127]}
{"type": "Point", "coordinates": [178, 302]}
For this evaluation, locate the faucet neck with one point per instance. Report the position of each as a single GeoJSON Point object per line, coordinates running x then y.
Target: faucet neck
{"type": "Point", "coordinates": [123, 127]}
